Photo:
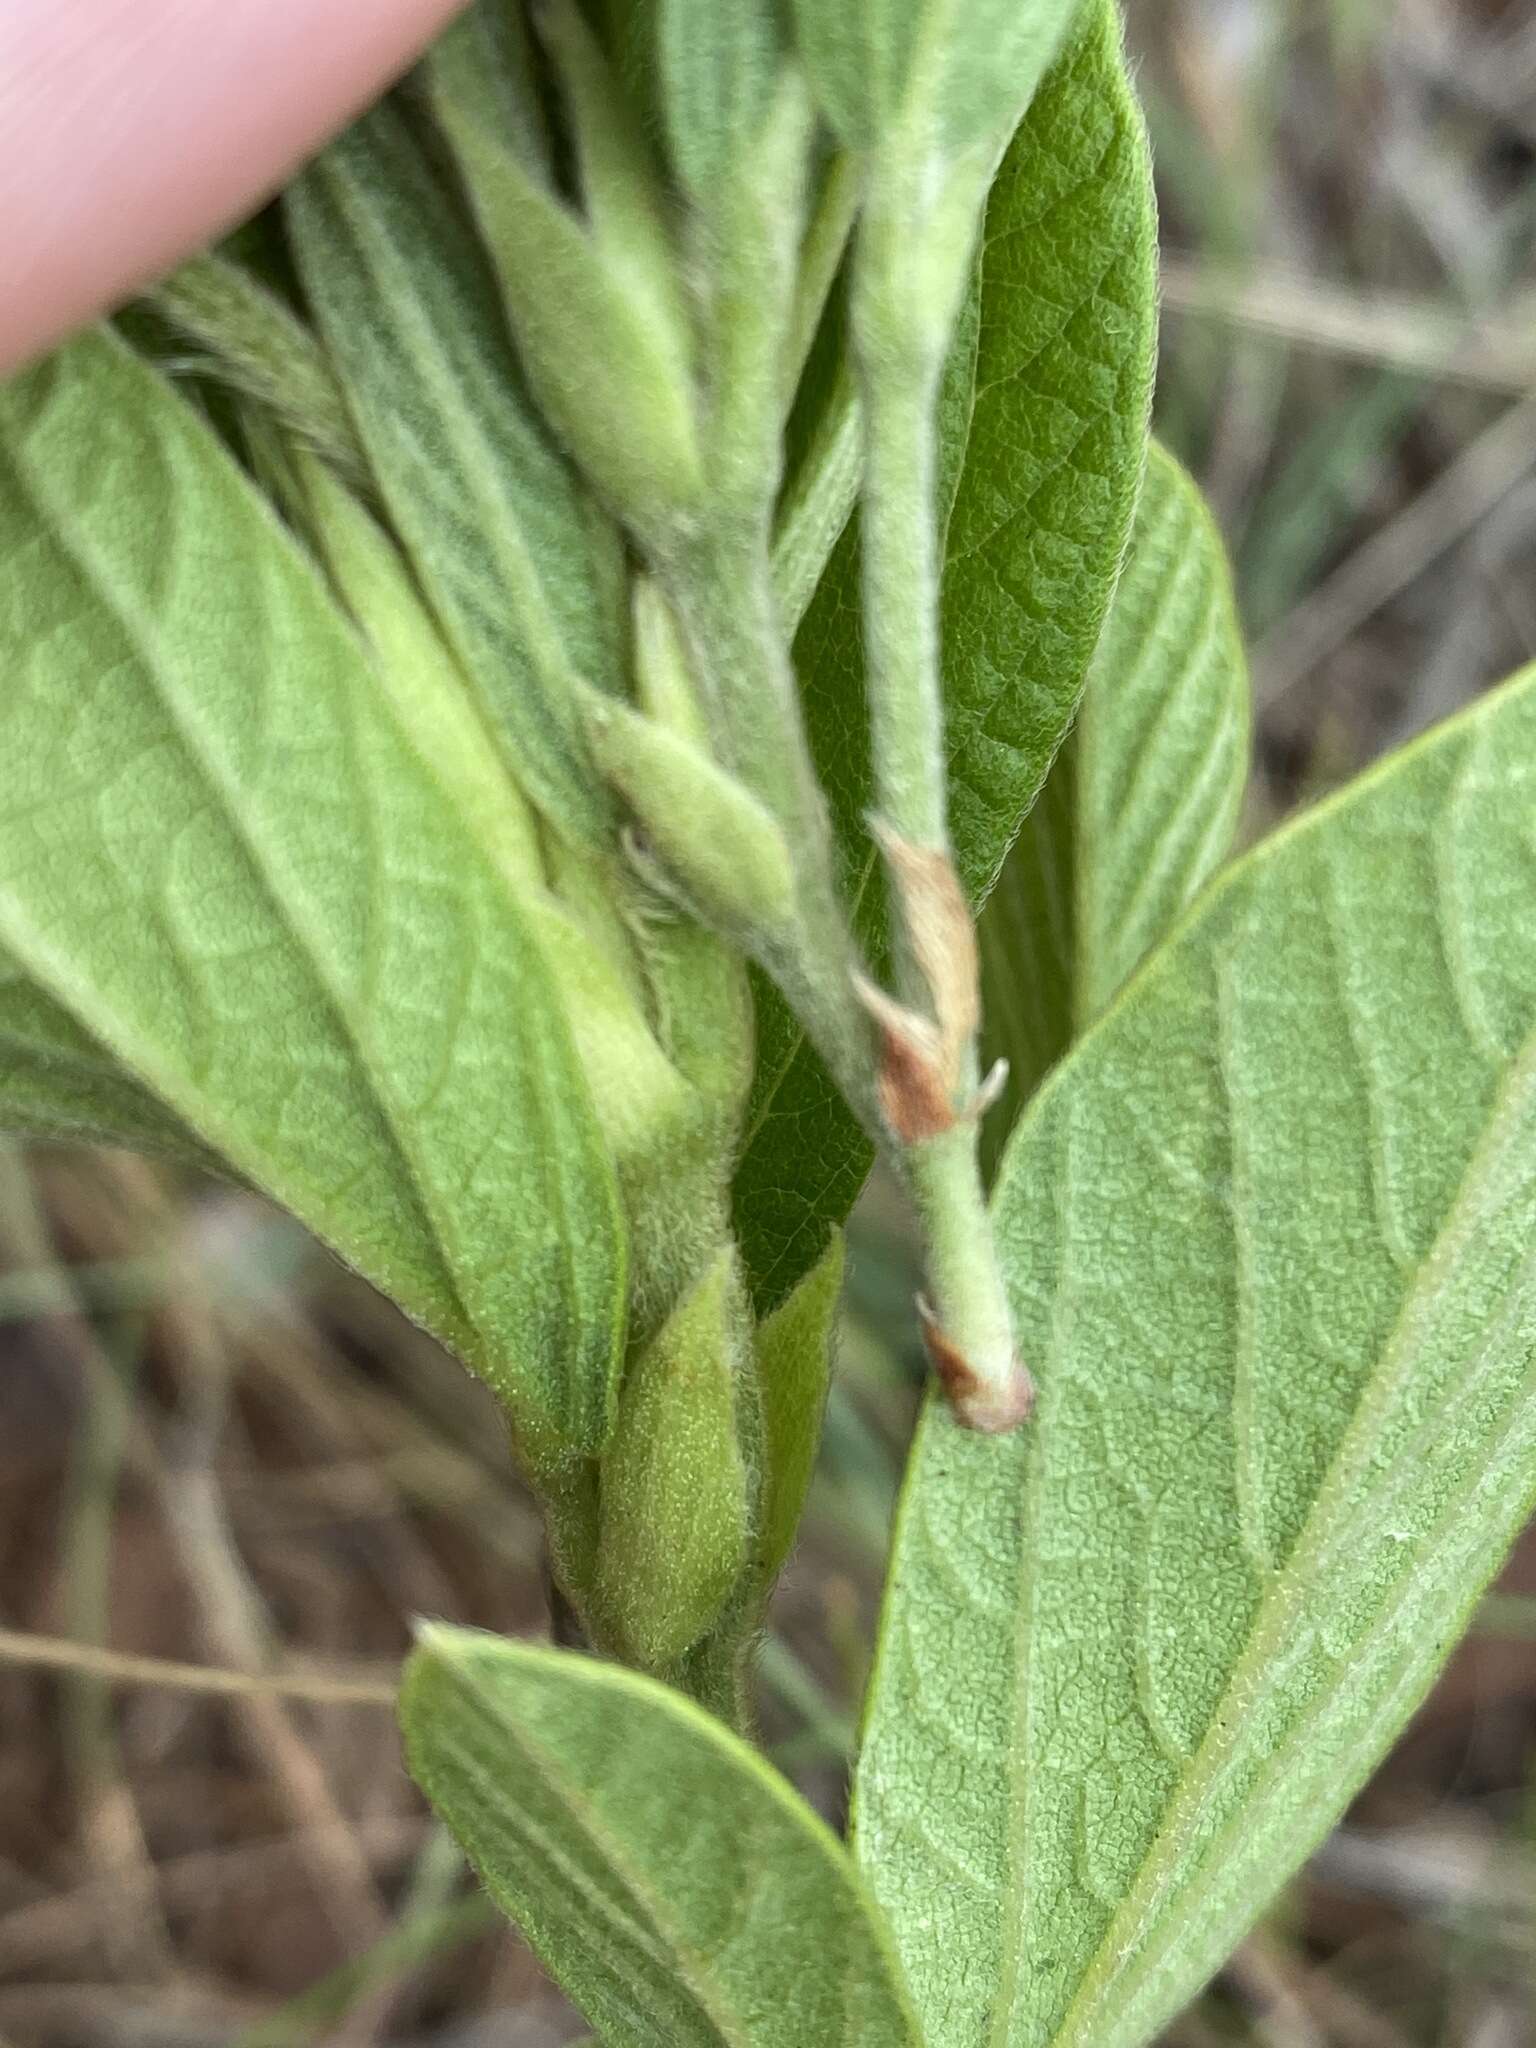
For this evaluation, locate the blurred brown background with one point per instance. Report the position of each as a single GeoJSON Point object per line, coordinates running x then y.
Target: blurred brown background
{"type": "Point", "coordinates": [218, 1452]}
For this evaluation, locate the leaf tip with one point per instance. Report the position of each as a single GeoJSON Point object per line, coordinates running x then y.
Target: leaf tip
{"type": "Point", "coordinates": [439, 1643]}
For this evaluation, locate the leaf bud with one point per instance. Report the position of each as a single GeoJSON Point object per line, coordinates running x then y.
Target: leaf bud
{"type": "Point", "coordinates": [593, 301]}
{"type": "Point", "coordinates": [674, 1486]}
{"type": "Point", "coordinates": [707, 830]}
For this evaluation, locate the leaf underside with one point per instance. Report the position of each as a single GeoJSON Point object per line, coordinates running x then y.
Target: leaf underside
{"type": "Point", "coordinates": [518, 569]}
{"type": "Point", "coordinates": [57, 1083]}
{"type": "Point", "coordinates": [680, 1890]}
{"type": "Point", "coordinates": [1162, 738]}
{"type": "Point", "coordinates": [1140, 805]}
{"type": "Point", "coordinates": [1056, 415]}
{"type": "Point", "coordinates": [1269, 1233]}
{"type": "Point", "coordinates": [225, 867]}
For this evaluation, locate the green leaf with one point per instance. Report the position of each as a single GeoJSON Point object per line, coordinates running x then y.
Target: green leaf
{"type": "Point", "coordinates": [262, 350]}
{"type": "Point", "coordinates": [223, 858]}
{"type": "Point", "coordinates": [517, 565]}
{"type": "Point", "coordinates": [660, 1123]}
{"type": "Point", "coordinates": [1056, 436]}
{"type": "Point", "coordinates": [1142, 802]}
{"type": "Point", "coordinates": [1269, 1234]}
{"type": "Point", "coordinates": [954, 76]}
{"type": "Point", "coordinates": [57, 1082]}
{"type": "Point", "coordinates": [594, 304]}
{"type": "Point", "coordinates": [794, 1369]}
{"type": "Point", "coordinates": [1162, 738]}
{"type": "Point", "coordinates": [676, 1886]}
{"type": "Point", "coordinates": [719, 63]}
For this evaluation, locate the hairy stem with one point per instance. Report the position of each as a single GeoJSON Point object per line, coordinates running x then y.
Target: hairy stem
{"type": "Point", "coordinates": [722, 588]}
{"type": "Point", "coordinates": [901, 599]}
{"type": "Point", "coordinates": [969, 1326]}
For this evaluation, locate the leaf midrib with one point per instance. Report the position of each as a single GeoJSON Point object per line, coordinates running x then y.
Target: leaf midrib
{"type": "Point", "coordinates": [720, 2015]}
{"type": "Point", "coordinates": [1267, 1658]}
{"type": "Point", "coordinates": [644, 1925]}
{"type": "Point", "coordinates": [1021, 1781]}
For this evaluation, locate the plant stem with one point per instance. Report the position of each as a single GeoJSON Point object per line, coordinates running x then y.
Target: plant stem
{"type": "Point", "coordinates": [721, 585]}
{"type": "Point", "coordinates": [969, 1326]}
{"type": "Point", "coordinates": [722, 589]}
{"type": "Point", "coordinates": [901, 597]}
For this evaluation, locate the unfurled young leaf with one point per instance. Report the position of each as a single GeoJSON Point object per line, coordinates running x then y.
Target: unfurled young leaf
{"type": "Point", "coordinates": [1055, 414]}
{"type": "Point", "coordinates": [720, 62]}
{"type": "Point", "coordinates": [1269, 1237]}
{"type": "Point", "coordinates": [593, 303]}
{"type": "Point", "coordinates": [224, 859]}
{"type": "Point", "coordinates": [953, 76]}
{"type": "Point", "coordinates": [260, 348]}
{"type": "Point", "coordinates": [680, 1891]}
{"type": "Point", "coordinates": [1141, 803]}
{"type": "Point", "coordinates": [517, 566]}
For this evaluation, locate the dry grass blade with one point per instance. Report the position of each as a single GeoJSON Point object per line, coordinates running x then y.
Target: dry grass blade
{"type": "Point", "coordinates": [120, 1668]}
{"type": "Point", "coordinates": [1427, 527]}
{"type": "Point", "coordinates": [1417, 335]}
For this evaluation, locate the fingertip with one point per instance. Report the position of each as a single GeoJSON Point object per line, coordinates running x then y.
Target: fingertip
{"type": "Point", "coordinates": [133, 131]}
